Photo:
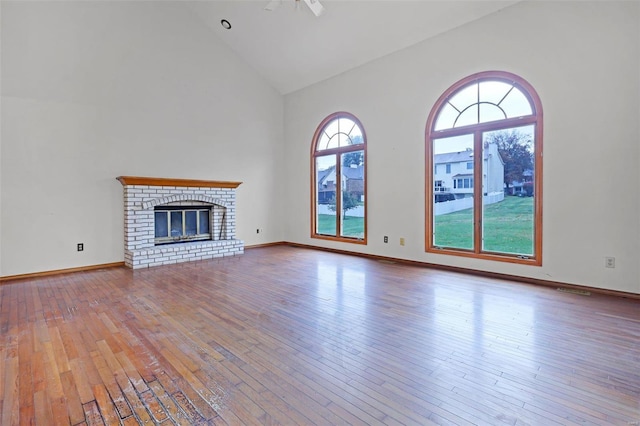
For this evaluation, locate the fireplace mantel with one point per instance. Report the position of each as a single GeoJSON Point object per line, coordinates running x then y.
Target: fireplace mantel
{"type": "Point", "coordinates": [156, 181]}
{"type": "Point", "coordinates": [144, 194]}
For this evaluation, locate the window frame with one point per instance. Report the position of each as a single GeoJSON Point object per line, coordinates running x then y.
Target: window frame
{"type": "Point", "coordinates": [477, 130]}
{"type": "Point", "coordinates": [314, 177]}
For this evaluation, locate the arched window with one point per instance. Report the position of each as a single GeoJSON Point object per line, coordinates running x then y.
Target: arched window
{"type": "Point", "coordinates": [338, 159]}
{"type": "Point", "coordinates": [484, 170]}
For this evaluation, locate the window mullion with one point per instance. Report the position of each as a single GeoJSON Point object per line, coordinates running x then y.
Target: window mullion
{"type": "Point", "coordinates": [338, 195]}
{"type": "Point", "coordinates": [340, 150]}
{"type": "Point", "coordinates": [477, 191]}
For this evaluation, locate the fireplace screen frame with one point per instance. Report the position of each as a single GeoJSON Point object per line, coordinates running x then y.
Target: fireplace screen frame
{"type": "Point", "coordinates": [203, 228]}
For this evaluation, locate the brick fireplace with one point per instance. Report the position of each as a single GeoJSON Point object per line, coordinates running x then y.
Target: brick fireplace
{"type": "Point", "coordinates": [144, 196]}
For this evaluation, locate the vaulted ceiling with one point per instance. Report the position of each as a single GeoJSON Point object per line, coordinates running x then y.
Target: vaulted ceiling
{"type": "Point", "coordinates": [292, 48]}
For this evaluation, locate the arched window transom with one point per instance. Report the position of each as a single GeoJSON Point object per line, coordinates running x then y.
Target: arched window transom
{"type": "Point", "coordinates": [340, 133]}
{"type": "Point", "coordinates": [483, 102]}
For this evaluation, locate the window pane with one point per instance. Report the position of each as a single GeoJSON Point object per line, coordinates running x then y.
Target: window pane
{"type": "Point", "coordinates": [352, 215]}
{"type": "Point", "coordinates": [465, 97]}
{"type": "Point", "coordinates": [191, 222]}
{"type": "Point", "coordinates": [446, 117]}
{"type": "Point", "coordinates": [161, 224]}
{"type": "Point", "coordinates": [490, 112]}
{"type": "Point", "coordinates": [346, 125]}
{"type": "Point", "coordinates": [332, 128]}
{"type": "Point", "coordinates": [324, 142]}
{"type": "Point", "coordinates": [344, 139]}
{"type": "Point", "coordinates": [516, 104]}
{"type": "Point", "coordinates": [356, 135]}
{"type": "Point", "coordinates": [176, 224]}
{"type": "Point", "coordinates": [468, 116]}
{"type": "Point", "coordinates": [507, 185]}
{"type": "Point", "coordinates": [204, 221]}
{"type": "Point", "coordinates": [333, 141]}
{"type": "Point", "coordinates": [493, 91]}
{"type": "Point", "coordinates": [453, 202]}
{"type": "Point", "coordinates": [326, 195]}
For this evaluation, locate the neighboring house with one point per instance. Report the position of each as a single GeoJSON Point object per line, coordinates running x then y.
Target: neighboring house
{"type": "Point", "coordinates": [453, 174]}
{"type": "Point", "coordinates": [326, 185]}
{"type": "Point", "coordinates": [524, 187]}
{"type": "Point", "coordinates": [353, 182]}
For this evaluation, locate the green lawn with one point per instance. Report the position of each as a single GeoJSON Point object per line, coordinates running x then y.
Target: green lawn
{"type": "Point", "coordinates": [352, 227]}
{"type": "Point", "coordinates": [508, 227]}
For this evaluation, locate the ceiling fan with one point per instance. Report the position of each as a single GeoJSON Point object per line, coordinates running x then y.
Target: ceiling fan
{"type": "Point", "coordinates": [314, 6]}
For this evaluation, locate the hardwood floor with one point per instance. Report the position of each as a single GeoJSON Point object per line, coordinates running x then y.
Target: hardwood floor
{"type": "Point", "coordinates": [285, 335]}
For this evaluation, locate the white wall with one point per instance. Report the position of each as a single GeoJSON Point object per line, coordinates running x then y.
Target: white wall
{"type": "Point", "coordinates": [582, 58]}
{"type": "Point", "coordinates": [94, 90]}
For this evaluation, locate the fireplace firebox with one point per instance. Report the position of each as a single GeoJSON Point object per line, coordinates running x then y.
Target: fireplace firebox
{"type": "Point", "coordinates": [179, 224]}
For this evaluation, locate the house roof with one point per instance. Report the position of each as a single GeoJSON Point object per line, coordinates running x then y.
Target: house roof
{"type": "Point", "coordinates": [352, 173]}
{"type": "Point", "coordinates": [322, 174]}
{"type": "Point", "coordinates": [453, 157]}
{"type": "Point", "coordinates": [458, 157]}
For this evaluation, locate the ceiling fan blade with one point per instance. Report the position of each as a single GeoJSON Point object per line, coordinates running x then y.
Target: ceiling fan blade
{"type": "Point", "coordinates": [315, 6]}
{"type": "Point", "coordinates": [272, 5]}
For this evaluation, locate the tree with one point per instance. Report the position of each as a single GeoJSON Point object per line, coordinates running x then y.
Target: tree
{"type": "Point", "coordinates": [515, 149]}
{"type": "Point", "coordinates": [350, 158]}
{"type": "Point", "coordinates": [349, 201]}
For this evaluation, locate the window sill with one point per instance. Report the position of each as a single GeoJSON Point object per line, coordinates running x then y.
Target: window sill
{"type": "Point", "coordinates": [340, 239]}
{"type": "Point", "coordinates": [531, 261]}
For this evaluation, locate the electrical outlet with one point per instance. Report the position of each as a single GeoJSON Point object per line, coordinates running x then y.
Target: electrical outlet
{"type": "Point", "coordinates": [80, 246]}
{"type": "Point", "coordinates": [258, 231]}
{"type": "Point", "coordinates": [401, 241]}
{"type": "Point", "coordinates": [386, 239]}
{"type": "Point", "coordinates": [610, 262]}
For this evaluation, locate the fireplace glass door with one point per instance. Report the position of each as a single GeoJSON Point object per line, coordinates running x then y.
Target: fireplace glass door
{"type": "Point", "coordinates": [174, 225]}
